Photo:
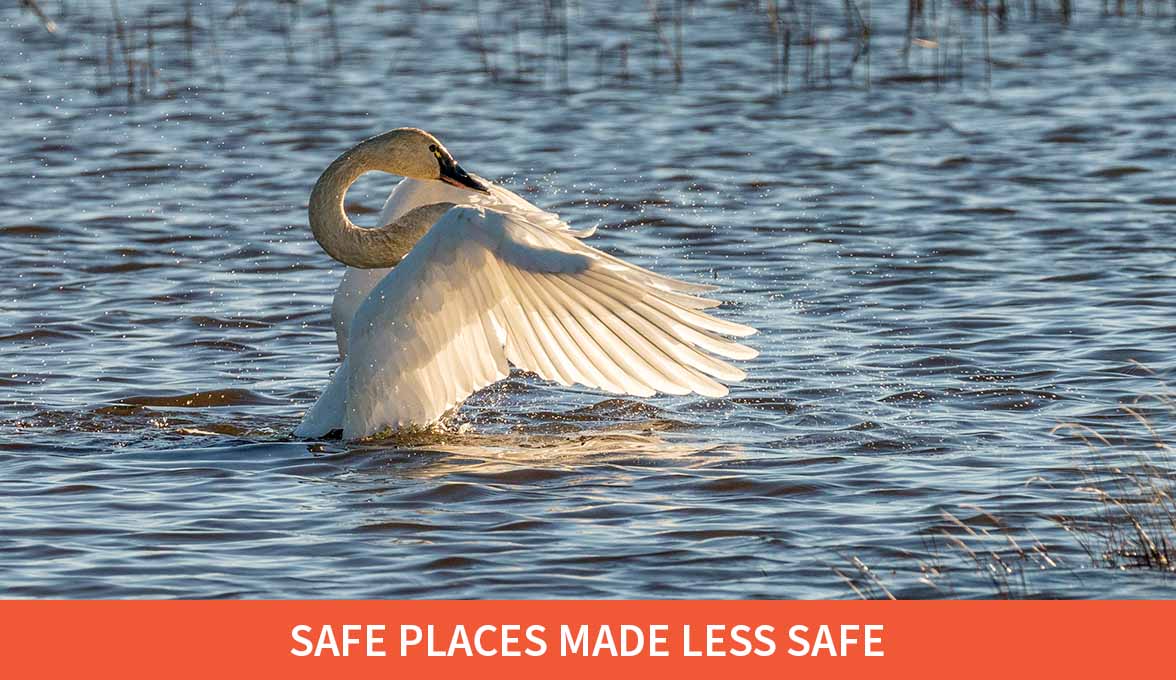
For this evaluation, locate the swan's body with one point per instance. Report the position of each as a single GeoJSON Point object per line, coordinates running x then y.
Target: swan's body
{"type": "Point", "coordinates": [464, 281]}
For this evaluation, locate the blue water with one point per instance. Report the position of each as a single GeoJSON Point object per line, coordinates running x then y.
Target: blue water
{"type": "Point", "coordinates": [943, 266]}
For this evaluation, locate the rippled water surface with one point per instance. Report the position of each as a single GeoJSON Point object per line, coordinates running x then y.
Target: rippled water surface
{"type": "Point", "coordinates": [943, 270]}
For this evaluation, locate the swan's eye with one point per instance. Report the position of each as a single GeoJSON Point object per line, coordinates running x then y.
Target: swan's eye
{"type": "Point", "coordinates": [436, 152]}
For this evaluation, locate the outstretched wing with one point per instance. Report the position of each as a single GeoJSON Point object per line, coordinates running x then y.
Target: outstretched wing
{"type": "Point", "coordinates": [484, 288]}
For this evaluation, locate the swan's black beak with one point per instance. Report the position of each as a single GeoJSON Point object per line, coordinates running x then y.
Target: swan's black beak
{"type": "Point", "coordinates": [452, 173]}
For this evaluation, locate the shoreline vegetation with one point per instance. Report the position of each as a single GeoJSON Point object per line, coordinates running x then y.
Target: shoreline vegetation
{"type": "Point", "coordinates": [141, 51]}
{"type": "Point", "coordinates": [1129, 482]}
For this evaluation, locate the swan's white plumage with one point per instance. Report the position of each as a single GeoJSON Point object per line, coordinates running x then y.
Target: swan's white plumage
{"type": "Point", "coordinates": [413, 193]}
{"type": "Point", "coordinates": [507, 283]}
{"type": "Point", "coordinates": [357, 283]}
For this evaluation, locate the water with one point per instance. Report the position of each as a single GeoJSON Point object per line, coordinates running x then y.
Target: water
{"type": "Point", "coordinates": [941, 272]}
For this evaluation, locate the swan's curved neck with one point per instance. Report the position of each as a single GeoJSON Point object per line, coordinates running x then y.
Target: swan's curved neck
{"type": "Point", "coordinates": [356, 246]}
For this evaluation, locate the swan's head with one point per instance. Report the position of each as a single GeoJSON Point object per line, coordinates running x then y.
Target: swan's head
{"type": "Point", "coordinates": [416, 154]}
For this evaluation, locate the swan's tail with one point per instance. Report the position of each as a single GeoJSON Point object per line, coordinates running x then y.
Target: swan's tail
{"type": "Point", "coordinates": [327, 413]}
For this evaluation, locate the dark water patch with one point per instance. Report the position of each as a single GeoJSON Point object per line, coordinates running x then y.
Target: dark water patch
{"type": "Point", "coordinates": [145, 169]}
{"type": "Point", "coordinates": [522, 526]}
{"type": "Point", "coordinates": [740, 486]}
{"type": "Point", "coordinates": [448, 563]}
{"type": "Point", "coordinates": [915, 396]}
{"type": "Point", "coordinates": [1118, 171]}
{"type": "Point", "coordinates": [220, 345]}
{"type": "Point", "coordinates": [214, 322]}
{"type": "Point", "coordinates": [123, 267]}
{"type": "Point", "coordinates": [395, 527]}
{"type": "Point", "coordinates": [523, 476]}
{"type": "Point", "coordinates": [935, 363]}
{"type": "Point", "coordinates": [30, 230]}
{"type": "Point", "coordinates": [703, 535]}
{"type": "Point", "coordinates": [766, 403]}
{"type": "Point", "coordinates": [1079, 277]}
{"type": "Point", "coordinates": [993, 210]}
{"type": "Point", "coordinates": [454, 492]}
{"type": "Point", "coordinates": [226, 397]}
{"type": "Point", "coordinates": [613, 409]}
{"type": "Point", "coordinates": [39, 335]}
{"type": "Point", "coordinates": [72, 489]}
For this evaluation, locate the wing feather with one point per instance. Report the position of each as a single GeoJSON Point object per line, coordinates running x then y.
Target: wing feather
{"type": "Point", "coordinates": [532, 356]}
{"type": "Point", "coordinates": [535, 331]}
{"type": "Point", "coordinates": [550, 330]}
{"type": "Point", "coordinates": [654, 309]}
{"type": "Point", "coordinates": [593, 359]}
{"type": "Point", "coordinates": [581, 353]}
{"type": "Point", "coordinates": [620, 362]}
{"type": "Point", "coordinates": [669, 376]}
{"type": "Point", "coordinates": [645, 320]}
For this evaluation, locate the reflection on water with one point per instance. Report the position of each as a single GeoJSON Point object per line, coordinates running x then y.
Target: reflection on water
{"type": "Point", "coordinates": [942, 273]}
{"type": "Point", "coordinates": [533, 457]}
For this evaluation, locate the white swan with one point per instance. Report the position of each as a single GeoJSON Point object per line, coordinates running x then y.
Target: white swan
{"type": "Point", "coordinates": [466, 277]}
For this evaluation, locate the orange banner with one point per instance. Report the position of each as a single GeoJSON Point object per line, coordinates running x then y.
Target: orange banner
{"type": "Point", "coordinates": [574, 639]}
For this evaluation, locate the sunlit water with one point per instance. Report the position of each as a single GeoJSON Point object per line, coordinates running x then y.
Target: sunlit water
{"type": "Point", "coordinates": [940, 276]}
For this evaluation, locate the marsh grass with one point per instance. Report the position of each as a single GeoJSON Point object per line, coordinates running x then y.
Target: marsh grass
{"type": "Point", "coordinates": [1128, 482]}
{"type": "Point", "coordinates": [967, 545]}
{"type": "Point", "coordinates": [803, 45]}
{"type": "Point", "coordinates": [34, 6]}
{"type": "Point", "coordinates": [866, 584]}
{"type": "Point", "coordinates": [1135, 526]}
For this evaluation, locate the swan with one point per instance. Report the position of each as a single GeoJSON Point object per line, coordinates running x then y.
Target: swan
{"type": "Point", "coordinates": [466, 278]}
